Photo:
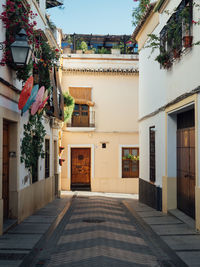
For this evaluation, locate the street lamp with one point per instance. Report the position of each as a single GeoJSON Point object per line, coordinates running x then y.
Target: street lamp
{"type": "Point", "coordinates": [20, 49]}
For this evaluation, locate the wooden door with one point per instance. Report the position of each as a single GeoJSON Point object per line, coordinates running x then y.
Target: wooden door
{"type": "Point", "coordinates": [5, 189]}
{"type": "Point", "coordinates": [186, 170]}
{"type": "Point", "coordinates": [80, 117]}
{"type": "Point", "coordinates": [80, 166]}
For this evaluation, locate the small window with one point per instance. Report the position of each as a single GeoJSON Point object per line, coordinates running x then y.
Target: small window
{"type": "Point", "coordinates": [47, 158]}
{"type": "Point", "coordinates": [130, 162]}
{"type": "Point", "coordinates": [152, 154]}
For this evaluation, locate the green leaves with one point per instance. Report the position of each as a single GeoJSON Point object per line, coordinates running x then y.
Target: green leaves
{"type": "Point", "coordinates": [68, 105]}
{"type": "Point", "coordinates": [32, 142]}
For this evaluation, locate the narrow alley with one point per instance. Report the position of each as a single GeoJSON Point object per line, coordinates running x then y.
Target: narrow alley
{"type": "Point", "coordinates": [102, 231]}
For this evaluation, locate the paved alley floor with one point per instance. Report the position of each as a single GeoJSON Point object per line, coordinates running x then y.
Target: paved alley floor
{"type": "Point", "coordinates": [98, 232]}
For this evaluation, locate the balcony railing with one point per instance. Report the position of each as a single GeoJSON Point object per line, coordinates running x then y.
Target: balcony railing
{"type": "Point", "coordinates": [82, 119]}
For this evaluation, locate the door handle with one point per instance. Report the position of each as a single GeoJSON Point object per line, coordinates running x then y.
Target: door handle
{"type": "Point", "coordinates": [186, 176]}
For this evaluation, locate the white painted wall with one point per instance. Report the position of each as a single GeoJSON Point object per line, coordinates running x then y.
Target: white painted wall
{"type": "Point", "coordinates": [157, 87]}
{"type": "Point", "coordinates": [159, 122]}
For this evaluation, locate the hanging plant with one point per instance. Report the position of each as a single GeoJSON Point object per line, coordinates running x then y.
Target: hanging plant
{"type": "Point", "coordinates": [16, 15]}
{"type": "Point", "coordinates": [32, 142]}
{"type": "Point", "coordinates": [139, 11]}
{"type": "Point", "coordinates": [68, 105]}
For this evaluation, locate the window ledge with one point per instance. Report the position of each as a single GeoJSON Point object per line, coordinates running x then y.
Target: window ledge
{"type": "Point", "coordinates": [80, 129]}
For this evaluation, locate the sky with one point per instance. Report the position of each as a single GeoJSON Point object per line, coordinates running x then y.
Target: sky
{"type": "Point", "coordinates": [94, 16]}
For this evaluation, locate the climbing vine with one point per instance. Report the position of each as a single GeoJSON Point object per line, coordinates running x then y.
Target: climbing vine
{"type": "Point", "coordinates": [32, 142]}
{"type": "Point", "coordinates": [68, 106]}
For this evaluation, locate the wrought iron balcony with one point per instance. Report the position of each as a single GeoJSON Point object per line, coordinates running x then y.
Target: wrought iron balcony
{"type": "Point", "coordinates": [82, 118]}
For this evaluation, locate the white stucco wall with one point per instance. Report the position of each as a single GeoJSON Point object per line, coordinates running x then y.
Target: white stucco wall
{"type": "Point", "coordinates": [159, 122]}
{"type": "Point", "coordinates": [157, 87]}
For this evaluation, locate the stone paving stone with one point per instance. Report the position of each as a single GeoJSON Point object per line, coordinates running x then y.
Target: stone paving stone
{"type": "Point", "coordinates": [113, 229]}
{"type": "Point", "coordinates": [117, 225]}
{"type": "Point", "coordinates": [192, 258]}
{"type": "Point", "coordinates": [114, 240]}
{"type": "Point", "coordinates": [97, 214]}
{"type": "Point", "coordinates": [99, 209]}
{"type": "Point", "coordinates": [19, 241]}
{"type": "Point", "coordinates": [101, 234]}
{"type": "Point", "coordinates": [162, 220]}
{"type": "Point", "coordinates": [179, 229]}
{"type": "Point", "coordinates": [39, 219]}
{"type": "Point", "coordinates": [186, 242]}
{"type": "Point", "coordinates": [154, 213]}
{"type": "Point", "coordinates": [10, 263]}
{"type": "Point", "coordinates": [30, 228]}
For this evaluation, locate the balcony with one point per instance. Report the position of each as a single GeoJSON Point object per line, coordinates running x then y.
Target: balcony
{"type": "Point", "coordinates": [82, 120]}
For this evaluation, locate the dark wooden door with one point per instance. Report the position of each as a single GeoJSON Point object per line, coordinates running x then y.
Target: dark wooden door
{"type": "Point", "coordinates": [5, 189]}
{"type": "Point", "coordinates": [80, 166]}
{"type": "Point", "coordinates": [80, 117]}
{"type": "Point", "coordinates": [186, 170]}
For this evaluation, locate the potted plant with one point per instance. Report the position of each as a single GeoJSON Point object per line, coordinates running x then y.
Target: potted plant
{"type": "Point", "coordinates": [84, 46]}
{"type": "Point", "coordinates": [187, 38]}
{"type": "Point", "coordinates": [115, 50]}
{"type": "Point", "coordinates": [68, 49]}
{"type": "Point", "coordinates": [164, 59]}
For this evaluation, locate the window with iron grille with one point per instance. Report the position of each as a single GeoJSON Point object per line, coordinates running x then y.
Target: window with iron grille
{"type": "Point", "coordinates": [130, 167]}
{"type": "Point", "coordinates": [177, 28]}
{"type": "Point", "coordinates": [47, 158]}
{"type": "Point", "coordinates": [152, 154]}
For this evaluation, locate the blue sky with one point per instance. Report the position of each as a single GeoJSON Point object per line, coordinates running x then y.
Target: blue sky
{"type": "Point", "coordinates": [93, 16]}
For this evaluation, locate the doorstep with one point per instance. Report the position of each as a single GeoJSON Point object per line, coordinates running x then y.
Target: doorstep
{"type": "Point", "coordinates": [183, 217]}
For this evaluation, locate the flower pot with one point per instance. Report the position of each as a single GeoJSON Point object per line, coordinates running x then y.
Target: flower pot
{"type": "Point", "coordinates": [79, 52]}
{"type": "Point", "coordinates": [115, 51]}
{"type": "Point", "coordinates": [167, 64]}
{"type": "Point", "coordinates": [176, 53]}
{"type": "Point", "coordinates": [61, 148]}
{"type": "Point", "coordinates": [187, 41]}
{"type": "Point", "coordinates": [61, 161]}
{"type": "Point", "coordinates": [67, 50]}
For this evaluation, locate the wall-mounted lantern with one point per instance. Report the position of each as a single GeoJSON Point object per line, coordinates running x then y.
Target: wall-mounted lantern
{"type": "Point", "coordinates": [20, 49]}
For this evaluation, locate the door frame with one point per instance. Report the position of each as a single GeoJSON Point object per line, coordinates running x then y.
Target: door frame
{"type": "Point", "coordinates": [169, 183]}
{"type": "Point", "coordinates": [91, 146]}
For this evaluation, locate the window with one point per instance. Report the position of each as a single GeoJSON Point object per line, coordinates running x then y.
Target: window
{"type": "Point", "coordinates": [47, 157]}
{"type": "Point", "coordinates": [130, 166]}
{"type": "Point", "coordinates": [177, 30]}
{"type": "Point", "coordinates": [152, 154]}
{"type": "Point", "coordinates": [80, 116]}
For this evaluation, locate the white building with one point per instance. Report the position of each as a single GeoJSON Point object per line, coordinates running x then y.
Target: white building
{"type": "Point", "coordinates": [20, 194]}
{"type": "Point", "coordinates": [169, 112]}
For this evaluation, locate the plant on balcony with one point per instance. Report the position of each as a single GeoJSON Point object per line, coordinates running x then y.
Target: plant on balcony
{"type": "Point", "coordinates": [176, 31]}
{"type": "Point", "coordinates": [139, 11]}
{"type": "Point", "coordinates": [68, 105]}
{"type": "Point", "coordinates": [131, 157]}
{"type": "Point", "coordinates": [83, 46]}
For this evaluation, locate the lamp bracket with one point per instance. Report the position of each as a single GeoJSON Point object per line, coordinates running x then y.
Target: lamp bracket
{"type": "Point", "coordinates": [2, 45]}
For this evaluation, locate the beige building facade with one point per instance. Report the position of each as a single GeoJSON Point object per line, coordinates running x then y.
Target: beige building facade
{"type": "Point", "coordinates": [104, 123]}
